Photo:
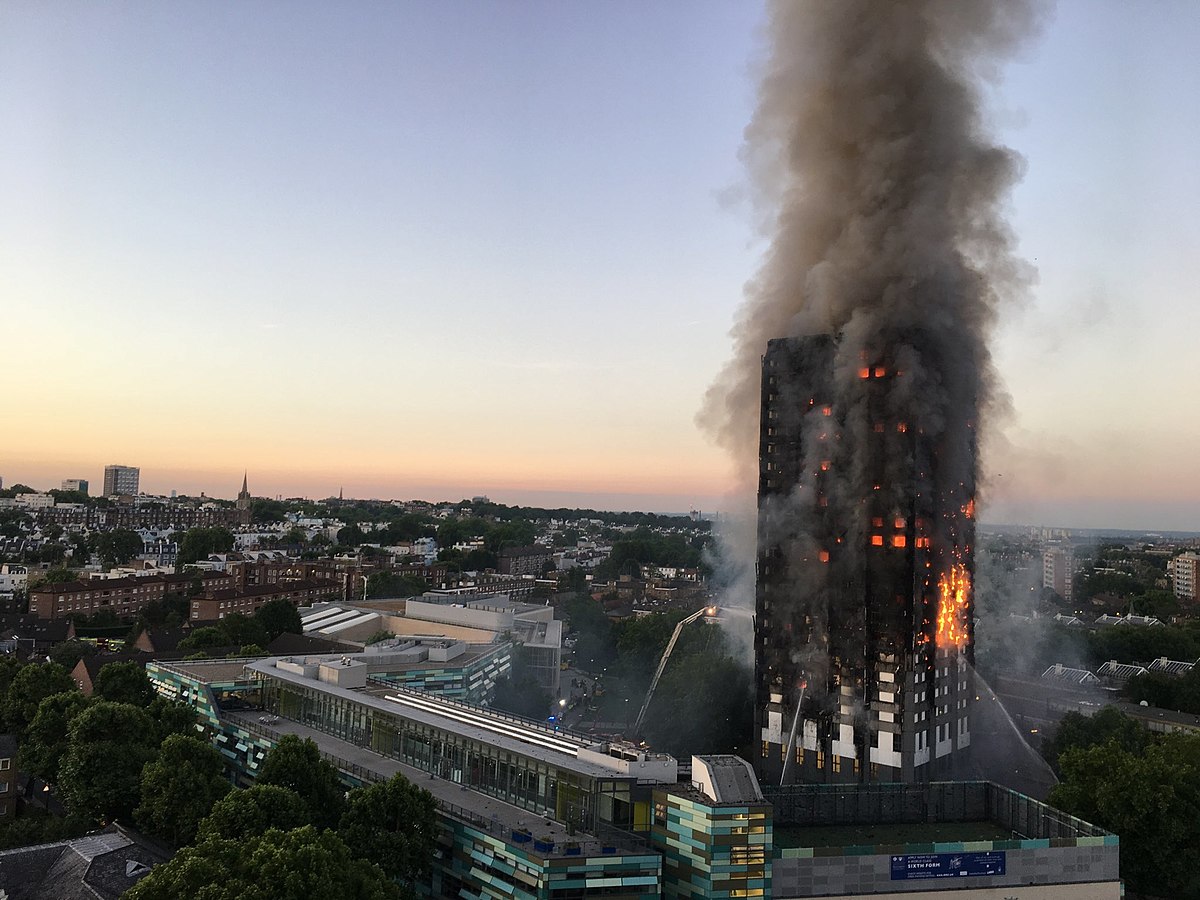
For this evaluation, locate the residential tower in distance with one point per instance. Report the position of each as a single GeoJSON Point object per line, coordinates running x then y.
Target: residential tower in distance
{"type": "Point", "coordinates": [121, 481]}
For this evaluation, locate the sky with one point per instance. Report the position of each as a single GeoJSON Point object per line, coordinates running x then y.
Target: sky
{"type": "Point", "coordinates": [445, 249]}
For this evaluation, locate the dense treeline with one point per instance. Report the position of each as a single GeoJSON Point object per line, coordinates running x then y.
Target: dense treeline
{"type": "Point", "coordinates": [1141, 786]}
{"type": "Point", "coordinates": [294, 833]}
{"type": "Point", "coordinates": [128, 755]}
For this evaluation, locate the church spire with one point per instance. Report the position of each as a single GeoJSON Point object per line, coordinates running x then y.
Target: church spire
{"type": "Point", "coordinates": [243, 498]}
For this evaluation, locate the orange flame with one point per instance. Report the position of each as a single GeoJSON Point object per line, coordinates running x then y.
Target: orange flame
{"type": "Point", "coordinates": [954, 591]}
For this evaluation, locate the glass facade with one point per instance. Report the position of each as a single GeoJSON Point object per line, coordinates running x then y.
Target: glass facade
{"type": "Point", "coordinates": [575, 799]}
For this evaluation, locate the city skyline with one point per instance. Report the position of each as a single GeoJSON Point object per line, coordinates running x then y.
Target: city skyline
{"type": "Point", "coordinates": [263, 240]}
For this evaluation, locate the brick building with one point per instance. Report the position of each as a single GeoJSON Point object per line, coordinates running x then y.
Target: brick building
{"type": "Point", "coordinates": [529, 560]}
{"type": "Point", "coordinates": [217, 604]}
{"type": "Point", "coordinates": [123, 596]}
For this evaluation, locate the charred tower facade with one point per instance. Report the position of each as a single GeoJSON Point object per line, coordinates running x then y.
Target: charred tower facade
{"type": "Point", "coordinates": [863, 625]}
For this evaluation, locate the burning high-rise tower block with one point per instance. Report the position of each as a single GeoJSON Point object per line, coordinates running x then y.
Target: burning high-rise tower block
{"type": "Point", "coordinates": [863, 628]}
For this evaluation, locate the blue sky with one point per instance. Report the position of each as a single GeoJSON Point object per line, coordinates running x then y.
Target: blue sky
{"type": "Point", "coordinates": [436, 249]}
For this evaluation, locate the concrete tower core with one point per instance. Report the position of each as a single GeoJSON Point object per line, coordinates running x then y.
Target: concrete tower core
{"type": "Point", "coordinates": [863, 626]}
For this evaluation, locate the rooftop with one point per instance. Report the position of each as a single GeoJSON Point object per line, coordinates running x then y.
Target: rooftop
{"type": "Point", "coordinates": [535, 740]}
{"type": "Point", "coordinates": [789, 836]}
{"type": "Point", "coordinates": [488, 813]}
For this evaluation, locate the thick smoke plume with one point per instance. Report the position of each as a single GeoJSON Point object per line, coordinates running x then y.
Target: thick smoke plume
{"type": "Point", "coordinates": [882, 196]}
{"type": "Point", "coordinates": [883, 199]}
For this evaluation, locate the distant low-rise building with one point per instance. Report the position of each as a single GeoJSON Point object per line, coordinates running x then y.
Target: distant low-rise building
{"type": "Point", "coordinates": [217, 604]}
{"type": "Point", "coordinates": [529, 560]}
{"type": "Point", "coordinates": [125, 597]}
{"type": "Point", "coordinates": [75, 484]}
{"type": "Point", "coordinates": [35, 501]}
{"type": "Point", "coordinates": [13, 579]}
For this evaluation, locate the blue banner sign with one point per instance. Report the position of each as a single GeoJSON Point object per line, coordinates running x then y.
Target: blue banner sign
{"type": "Point", "coordinates": [946, 865]}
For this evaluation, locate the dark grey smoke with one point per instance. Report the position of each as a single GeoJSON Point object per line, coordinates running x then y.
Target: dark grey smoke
{"type": "Point", "coordinates": [882, 195]}
{"type": "Point", "coordinates": [883, 199]}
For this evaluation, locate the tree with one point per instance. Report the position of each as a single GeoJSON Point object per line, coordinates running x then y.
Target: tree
{"type": "Point", "coordinates": [46, 738]}
{"type": "Point", "coordinates": [479, 560]}
{"type": "Point", "coordinates": [69, 653]}
{"type": "Point", "coordinates": [245, 814]}
{"type": "Point", "coordinates": [30, 686]}
{"type": "Point", "coordinates": [204, 638]}
{"type": "Point", "coordinates": [241, 629]}
{"type": "Point", "coordinates": [595, 646]}
{"type": "Point", "coordinates": [277, 617]}
{"type": "Point", "coordinates": [107, 745]}
{"type": "Point", "coordinates": [392, 824]}
{"type": "Point", "coordinates": [263, 509]}
{"type": "Point", "coordinates": [389, 584]}
{"type": "Point", "coordinates": [1079, 732]}
{"type": "Point", "coordinates": [297, 765]}
{"type": "Point", "coordinates": [350, 536]}
{"type": "Point", "coordinates": [702, 705]}
{"type": "Point", "coordinates": [171, 717]}
{"type": "Point", "coordinates": [277, 865]}
{"type": "Point", "coordinates": [180, 787]}
{"type": "Point", "coordinates": [57, 576]}
{"type": "Point", "coordinates": [124, 682]}
{"type": "Point", "coordinates": [1150, 799]}
{"type": "Point", "coordinates": [642, 640]}
{"type": "Point", "coordinates": [117, 546]}
{"type": "Point", "coordinates": [198, 543]}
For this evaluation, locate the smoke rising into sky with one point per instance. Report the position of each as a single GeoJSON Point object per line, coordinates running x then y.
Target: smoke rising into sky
{"type": "Point", "coordinates": [883, 197]}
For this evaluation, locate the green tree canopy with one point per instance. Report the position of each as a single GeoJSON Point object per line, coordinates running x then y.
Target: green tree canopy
{"type": "Point", "coordinates": [205, 638]}
{"type": "Point", "coordinates": [69, 653]}
{"type": "Point", "coordinates": [1149, 798]}
{"type": "Point", "coordinates": [392, 824]}
{"type": "Point", "coordinates": [59, 575]}
{"type": "Point", "coordinates": [702, 705]}
{"type": "Point", "coordinates": [263, 509]}
{"type": "Point", "coordinates": [642, 640]}
{"type": "Point", "coordinates": [30, 686]}
{"type": "Point", "coordinates": [350, 536]}
{"type": "Point", "coordinates": [1166, 691]}
{"type": "Point", "coordinates": [198, 543]}
{"type": "Point", "coordinates": [171, 717]}
{"type": "Point", "coordinates": [124, 682]}
{"type": "Point", "coordinates": [250, 812]}
{"type": "Point", "coordinates": [297, 765]}
{"type": "Point", "coordinates": [1079, 732]}
{"type": "Point", "coordinates": [277, 617]}
{"type": "Point", "coordinates": [277, 865]}
{"type": "Point", "coordinates": [595, 645]}
{"type": "Point", "coordinates": [389, 584]}
{"type": "Point", "coordinates": [117, 546]}
{"type": "Point", "coordinates": [108, 743]}
{"type": "Point", "coordinates": [242, 629]}
{"type": "Point", "coordinates": [179, 788]}
{"type": "Point", "coordinates": [46, 738]}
